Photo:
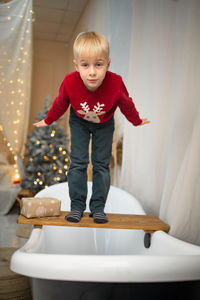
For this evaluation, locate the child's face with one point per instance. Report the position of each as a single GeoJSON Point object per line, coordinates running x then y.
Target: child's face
{"type": "Point", "coordinates": [92, 70]}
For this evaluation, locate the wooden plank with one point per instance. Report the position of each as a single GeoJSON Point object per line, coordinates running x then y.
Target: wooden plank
{"type": "Point", "coordinates": [148, 223]}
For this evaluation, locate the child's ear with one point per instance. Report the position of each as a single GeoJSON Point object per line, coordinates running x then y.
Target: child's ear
{"type": "Point", "coordinates": [75, 64]}
{"type": "Point", "coordinates": [109, 60]}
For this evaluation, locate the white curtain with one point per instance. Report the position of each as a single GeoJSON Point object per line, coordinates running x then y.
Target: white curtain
{"type": "Point", "coordinates": [161, 160]}
{"type": "Point", "coordinates": [15, 72]}
{"type": "Point", "coordinates": [155, 47]}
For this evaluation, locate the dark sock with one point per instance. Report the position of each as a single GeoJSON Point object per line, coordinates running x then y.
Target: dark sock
{"type": "Point", "coordinates": [74, 216]}
{"type": "Point", "coordinates": [99, 217]}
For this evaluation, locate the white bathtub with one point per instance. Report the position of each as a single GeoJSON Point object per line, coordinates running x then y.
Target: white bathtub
{"type": "Point", "coordinates": [103, 255]}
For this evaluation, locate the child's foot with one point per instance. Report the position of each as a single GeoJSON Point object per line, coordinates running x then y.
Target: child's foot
{"type": "Point", "coordinates": [74, 216]}
{"type": "Point", "coordinates": [99, 217]}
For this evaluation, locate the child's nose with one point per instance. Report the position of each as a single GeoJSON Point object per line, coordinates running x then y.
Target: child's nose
{"type": "Point", "coordinates": [92, 70]}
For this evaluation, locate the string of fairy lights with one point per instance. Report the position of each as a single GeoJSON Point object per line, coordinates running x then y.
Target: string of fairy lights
{"type": "Point", "coordinates": [15, 69]}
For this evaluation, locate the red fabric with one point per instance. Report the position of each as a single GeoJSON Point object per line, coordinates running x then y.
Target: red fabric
{"type": "Point", "coordinates": [97, 106]}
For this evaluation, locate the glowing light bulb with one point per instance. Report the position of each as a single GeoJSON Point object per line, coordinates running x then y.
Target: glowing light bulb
{"type": "Point", "coordinates": [53, 133]}
{"type": "Point", "coordinates": [16, 177]}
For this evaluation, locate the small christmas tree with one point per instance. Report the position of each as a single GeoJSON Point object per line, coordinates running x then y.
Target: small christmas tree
{"type": "Point", "coordinates": [47, 158]}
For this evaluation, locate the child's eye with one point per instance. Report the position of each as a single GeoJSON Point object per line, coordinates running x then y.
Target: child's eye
{"type": "Point", "coordinates": [99, 64]}
{"type": "Point", "coordinates": [84, 65]}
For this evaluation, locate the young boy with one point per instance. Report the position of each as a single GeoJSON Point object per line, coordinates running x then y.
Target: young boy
{"type": "Point", "coordinates": [94, 94]}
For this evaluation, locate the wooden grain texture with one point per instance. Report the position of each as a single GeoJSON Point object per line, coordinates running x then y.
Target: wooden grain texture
{"type": "Point", "coordinates": [148, 223]}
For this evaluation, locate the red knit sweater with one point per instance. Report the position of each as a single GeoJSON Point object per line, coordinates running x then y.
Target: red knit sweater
{"type": "Point", "coordinates": [97, 106]}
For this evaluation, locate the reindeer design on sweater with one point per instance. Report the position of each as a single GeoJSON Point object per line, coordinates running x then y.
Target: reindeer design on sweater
{"type": "Point", "coordinates": [91, 115]}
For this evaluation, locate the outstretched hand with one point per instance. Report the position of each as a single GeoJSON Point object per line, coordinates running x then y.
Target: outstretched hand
{"type": "Point", "coordinates": [40, 124]}
{"type": "Point", "coordinates": [145, 121]}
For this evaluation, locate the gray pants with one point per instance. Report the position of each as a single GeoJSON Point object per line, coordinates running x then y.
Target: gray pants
{"type": "Point", "coordinates": [102, 135]}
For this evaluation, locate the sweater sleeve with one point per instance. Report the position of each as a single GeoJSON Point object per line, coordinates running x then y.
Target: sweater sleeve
{"type": "Point", "coordinates": [127, 106]}
{"type": "Point", "coordinates": [59, 106]}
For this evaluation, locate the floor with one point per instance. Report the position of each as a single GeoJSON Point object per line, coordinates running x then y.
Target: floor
{"type": "Point", "coordinates": [9, 226]}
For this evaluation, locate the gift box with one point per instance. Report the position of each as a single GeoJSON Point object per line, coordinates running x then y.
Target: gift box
{"type": "Point", "coordinates": [40, 207]}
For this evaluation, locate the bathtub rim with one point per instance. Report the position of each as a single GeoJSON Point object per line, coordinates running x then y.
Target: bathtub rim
{"type": "Point", "coordinates": [132, 268]}
{"type": "Point", "coordinates": [118, 268]}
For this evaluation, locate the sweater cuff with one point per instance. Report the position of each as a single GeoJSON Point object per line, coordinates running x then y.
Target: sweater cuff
{"type": "Point", "coordinates": [137, 122]}
{"type": "Point", "coordinates": [48, 120]}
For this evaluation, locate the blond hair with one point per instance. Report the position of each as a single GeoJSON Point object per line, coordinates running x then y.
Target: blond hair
{"type": "Point", "coordinates": [91, 44]}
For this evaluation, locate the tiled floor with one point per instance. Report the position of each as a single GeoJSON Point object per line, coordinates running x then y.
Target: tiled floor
{"type": "Point", "coordinates": [8, 228]}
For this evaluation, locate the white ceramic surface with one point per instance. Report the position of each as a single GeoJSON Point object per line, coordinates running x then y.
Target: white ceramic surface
{"type": "Point", "coordinates": [104, 255]}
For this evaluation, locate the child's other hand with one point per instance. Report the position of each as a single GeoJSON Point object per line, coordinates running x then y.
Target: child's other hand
{"type": "Point", "coordinates": [40, 124]}
{"type": "Point", "coordinates": [145, 121]}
